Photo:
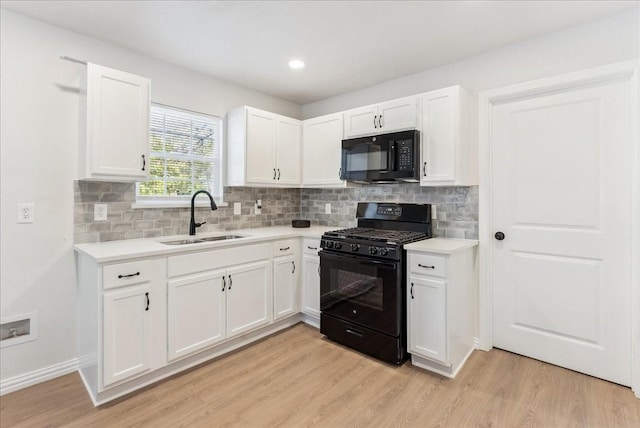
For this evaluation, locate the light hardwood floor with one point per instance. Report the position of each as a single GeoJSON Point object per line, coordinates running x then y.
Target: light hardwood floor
{"type": "Point", "coordinates": [297, 378]}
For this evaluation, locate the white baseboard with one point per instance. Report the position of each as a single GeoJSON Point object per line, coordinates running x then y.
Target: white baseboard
{"type": "Point", "coordinates": [38, 376]}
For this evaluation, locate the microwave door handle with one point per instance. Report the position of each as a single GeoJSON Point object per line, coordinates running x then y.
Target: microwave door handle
{"type": "Point", "coordinates": [391, 158]}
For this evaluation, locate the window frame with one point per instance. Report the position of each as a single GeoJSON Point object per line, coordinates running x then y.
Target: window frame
{"type": "Point", "coordinates": [171, 201]}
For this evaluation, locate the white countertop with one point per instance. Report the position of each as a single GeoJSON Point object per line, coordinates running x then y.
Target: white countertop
{"type": "Point", "coordinates": [111, 251]}
{"type": "Point", "coordinates": [441, 245]}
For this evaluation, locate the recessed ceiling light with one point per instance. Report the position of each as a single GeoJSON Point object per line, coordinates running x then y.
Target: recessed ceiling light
{"type": "Point", "coordinates": [296, 64]}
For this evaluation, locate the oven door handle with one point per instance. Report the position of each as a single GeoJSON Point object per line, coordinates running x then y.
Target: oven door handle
{"type": "Point", "coordinates": [358, 260]}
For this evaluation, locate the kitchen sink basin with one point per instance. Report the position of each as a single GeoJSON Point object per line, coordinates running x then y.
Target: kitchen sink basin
{"type": "Point", "coordinates": [201, 240]}
{"type": "Point", "coordinates": [182, 242]}
{"type": "Point", "coordinates": [221, 238]}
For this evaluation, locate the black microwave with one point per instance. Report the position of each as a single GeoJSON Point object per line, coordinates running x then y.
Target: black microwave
{"type": "Point", "coordinates": [384, 158]}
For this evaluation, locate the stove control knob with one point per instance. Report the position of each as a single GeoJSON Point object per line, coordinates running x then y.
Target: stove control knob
{"type": "Point", "coordinates": [355, 247]}
{"type": "Point", "coordinates": [384, 251]}
{"type": "Point", "coordinates": [329, 244]}
{"type": "Point", "coordinates": [338, 245]}
{"type": "Point", "coordinates": [373, 250]}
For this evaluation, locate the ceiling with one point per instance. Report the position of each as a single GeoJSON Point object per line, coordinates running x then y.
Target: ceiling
{"type": "Point", "coordinates": [347, 45]}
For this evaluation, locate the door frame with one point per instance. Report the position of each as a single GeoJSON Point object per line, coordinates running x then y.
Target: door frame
{"type": "Point", "coordinates": [627, 70]}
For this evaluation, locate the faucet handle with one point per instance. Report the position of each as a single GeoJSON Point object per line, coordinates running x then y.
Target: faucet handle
{"type": "Point", "coordinates": [200, 224]}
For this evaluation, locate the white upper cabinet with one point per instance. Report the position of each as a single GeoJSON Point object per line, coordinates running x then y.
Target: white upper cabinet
{"type": "Point", "coordinates": [449, 154]}
{"type": "Point", "coordinates": [391, 116]}
{"type": "Point", "coordinates": [116, 126]}
{"type": "Point", "coordinates": [263, 149]}
{"type": "Point", "coordinates": [322, 151]}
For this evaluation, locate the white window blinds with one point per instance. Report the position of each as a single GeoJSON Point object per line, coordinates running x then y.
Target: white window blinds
{"type": "Point", "coordinates": [184, 154]}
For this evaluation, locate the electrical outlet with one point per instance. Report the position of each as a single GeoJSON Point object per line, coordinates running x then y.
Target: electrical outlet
{"type": "Point", "coordinates": [237, 208]}
{"type": "Point", "coordinates": [259, 206]}
{"type": "Point", "coordinates": [327, 208]}
{"type": "Point", "coordinates": [26, 213]}
{"type": "Point", "coordinates": [100, 212]}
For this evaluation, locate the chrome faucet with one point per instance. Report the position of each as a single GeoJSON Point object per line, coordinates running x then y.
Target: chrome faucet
{"type": "Point", "coordinates": [193, 224]}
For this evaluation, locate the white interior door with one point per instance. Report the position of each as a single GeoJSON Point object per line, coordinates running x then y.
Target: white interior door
{"type": "Point", "coordinates": [561, 187]}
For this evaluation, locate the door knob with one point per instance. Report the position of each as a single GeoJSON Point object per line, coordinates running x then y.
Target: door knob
{"type": "Point", "coordinates": [499, 236]}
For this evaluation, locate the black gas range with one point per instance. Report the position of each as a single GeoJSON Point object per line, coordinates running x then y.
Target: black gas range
{"type": "Point", "coordinates": [362, 278]}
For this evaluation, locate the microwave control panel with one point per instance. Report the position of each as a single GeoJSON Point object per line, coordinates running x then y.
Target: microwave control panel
{"type": "Point", "coordinates": [405, 155]}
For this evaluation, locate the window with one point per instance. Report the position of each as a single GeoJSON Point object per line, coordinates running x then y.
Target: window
{"type": "Point", "coordinates": [184, 156]}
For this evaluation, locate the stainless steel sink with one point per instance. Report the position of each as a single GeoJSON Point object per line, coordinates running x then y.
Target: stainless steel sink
{"type": "Point", "coordinates": [182, 242]}
{"type": "Point", "coordinates": [201, 240]}
{"type": "Point", "coordinates": [221, 238]}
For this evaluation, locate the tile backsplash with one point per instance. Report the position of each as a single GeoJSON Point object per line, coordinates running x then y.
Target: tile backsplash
{"type": "Point", "coordinates": [456, 208]}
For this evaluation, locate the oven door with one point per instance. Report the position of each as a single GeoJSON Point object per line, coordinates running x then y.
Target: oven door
{"type": "Point", "coordinates": [362, 291]}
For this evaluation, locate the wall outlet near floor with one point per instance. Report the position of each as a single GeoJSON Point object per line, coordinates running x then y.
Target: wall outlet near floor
{"type": "Point", "coordinates": [26, 213]}
{"type": "Point", "coordinates": [327, 208]}
{"type": "Point", "coordinates": [237, 208]}
{"type": "Point", "coordinates": [100, 212]}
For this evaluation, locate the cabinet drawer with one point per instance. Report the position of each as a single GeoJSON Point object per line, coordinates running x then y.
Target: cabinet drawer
{"type": "Point", "coordinates": [311, 246]}
{"type": "Point", "coordinates": [428, 264]}
{"type": "Point", "coordinates": [285, 247]}
{"type": "Point", "coordinates": [129, 273]}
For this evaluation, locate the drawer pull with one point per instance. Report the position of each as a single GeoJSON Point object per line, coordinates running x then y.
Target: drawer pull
{"type": "Point", "coordinates": [129, 276]}
{"type": "Point", "coordinates": [230, 282]}
{"type": "Point", "coordinates": [355, 332]}
{"type": "Point", "coordinates": [426, 267]}
{"type": "Point", "coordinates": [224, 283]}
{"type": "Point", "coordinates": [285, 248]}
{"type": "Point", "coordinates": [147, 295]}
{"type": "Point", "coordinates": [312, 248]}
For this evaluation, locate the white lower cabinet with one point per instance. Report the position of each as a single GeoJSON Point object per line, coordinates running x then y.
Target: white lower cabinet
{"type": "Point", "coordinates": [248, 297]}
{"type": "Point", "coordinates": [207, 307]}
{"type": "Point", "coordinates": [427, 307]}
{"type": "Point", "coordinates": [311, 277]}
{"type": "Point", "coordinates": [441, 290]}
{"type": "Point", "coordinates": [142, 320]}
{"type": "Point", "coordinates": [286, 264]}
{"type": "Point", "coordinates": [196, 312]}
{"type": "Point", "coordinates": [127, 333]}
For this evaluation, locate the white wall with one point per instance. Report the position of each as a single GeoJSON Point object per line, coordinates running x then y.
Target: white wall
{"type": "Point", "coordinates": [601, 42]}
{"type": "Point", "coordinates": [38, 154]}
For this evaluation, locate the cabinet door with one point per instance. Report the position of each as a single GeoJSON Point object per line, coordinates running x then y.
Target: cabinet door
{"type": "Point", "coordinates": [248, 297]}
{"type": "Point", "coordinates": [361, 121]}
{"type": "Point", "coordinates": [197, 312]}
{"type": "Point", "coordinates": [261, 146]}
{"type": "Point", "coordinates": [127, 333]}
{"type": "Point", "coordinates": [439, 136]}
{"type": "Point", "coordinates": [398, 115]}
{"type": "Point", "coordinates": [322, 151]}
{"type": "Point", "coordinates": [427, 318]}
{"type": "Point", "coordinates": [117, 124]}
{"type": "Point", "coordinates": [285, 286]}
{"type": "Point", "coordinates": [288, 152]}
{"type": "Point", "coordinates": [311, 285]}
